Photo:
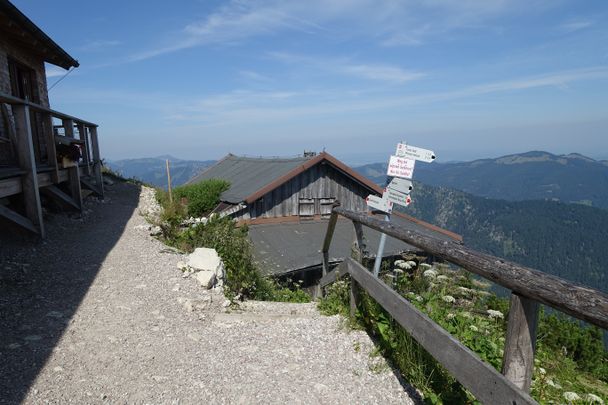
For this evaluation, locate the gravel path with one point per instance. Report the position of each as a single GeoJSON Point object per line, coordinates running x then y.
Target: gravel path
{"type": "Point", "coordinates": [99, 313]}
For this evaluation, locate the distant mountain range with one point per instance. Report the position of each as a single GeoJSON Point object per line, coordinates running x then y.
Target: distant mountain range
{"type": "Point", "coordinates": [572, 178]}
{"type": "Point", "coordinates": [567, 240]}
{"type": "Point", "coordinates": [153, 170]}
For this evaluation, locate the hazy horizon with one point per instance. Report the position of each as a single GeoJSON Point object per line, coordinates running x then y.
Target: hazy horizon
{"type": "Point", "coordinates": [351, 160]}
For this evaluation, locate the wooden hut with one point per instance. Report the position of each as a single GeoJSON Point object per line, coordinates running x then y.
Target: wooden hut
{"type": "Point", "coordinates": [285, 203]}
{"type": "Point", "coordinates": [44, 154]}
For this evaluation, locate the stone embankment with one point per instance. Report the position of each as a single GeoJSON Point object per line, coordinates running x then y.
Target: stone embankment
{"type": "Point", "coordinates": [100, 313]}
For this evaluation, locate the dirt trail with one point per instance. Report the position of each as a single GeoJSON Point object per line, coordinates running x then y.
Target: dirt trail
{"type": "Point", "coordinates": [99, 313]}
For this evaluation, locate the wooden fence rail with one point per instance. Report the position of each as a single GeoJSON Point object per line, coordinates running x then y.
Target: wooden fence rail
{"type": "Point", "coordinates": [529, 288]}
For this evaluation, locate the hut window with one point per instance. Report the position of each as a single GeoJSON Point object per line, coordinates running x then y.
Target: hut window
{"type": "Point", "coordinates": [306, 208]}
{"type": "Point", "coordinates": [325, 205]}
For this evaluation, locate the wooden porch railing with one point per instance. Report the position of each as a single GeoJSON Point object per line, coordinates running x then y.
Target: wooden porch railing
{"type": "Point", "coordinates": [529, 288]}
{"type": "Point", "coordinates": [29, 178]}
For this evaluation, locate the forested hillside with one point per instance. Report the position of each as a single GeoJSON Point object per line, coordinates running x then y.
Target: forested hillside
{"type": "Point", "coordinates": [567, 240]}
{"type": "Point", "coordinates": [526, 176]}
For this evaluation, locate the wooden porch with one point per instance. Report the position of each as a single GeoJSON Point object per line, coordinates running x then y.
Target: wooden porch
{"type": "Point", "coordinates": [28, 124]}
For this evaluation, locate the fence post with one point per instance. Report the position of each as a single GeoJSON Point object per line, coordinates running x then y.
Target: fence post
{"type": "Point", "coordinates": [358, 250]}
{"type": "Point", "coordinates": [520, 343]}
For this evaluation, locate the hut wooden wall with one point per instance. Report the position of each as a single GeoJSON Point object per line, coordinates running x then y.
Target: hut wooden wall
{"type": "Point", "coordinates": [321, 181]}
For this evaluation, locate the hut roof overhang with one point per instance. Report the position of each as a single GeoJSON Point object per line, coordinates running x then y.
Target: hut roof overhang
{"type": "Point", "coordinates": [21, 30]}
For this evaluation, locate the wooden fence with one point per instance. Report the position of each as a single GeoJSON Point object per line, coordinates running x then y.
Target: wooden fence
{"type": "Point", "coordinates": [529, 288]}
{"type": "Point", "coordinates": [30, 177]}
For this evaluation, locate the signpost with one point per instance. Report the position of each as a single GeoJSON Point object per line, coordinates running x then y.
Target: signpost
{"type": "Point", "coordinates": [396, 197]}
{"type": "Point", "coordinates": [379, 203]}
{"type": "Point", "coordinates": [401, 168]}
{"type": "Point", "coordinates": [412, 152]}
{"type": "Point", "coordinates": [404, 186]}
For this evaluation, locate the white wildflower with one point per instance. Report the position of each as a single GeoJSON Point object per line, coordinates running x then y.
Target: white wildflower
{"type": "Point", "coordinates": [465, 290]}
{"type": "Point", "coordinates": [594, 399]}
{"type": "Point", "coordinates": [398, 271]}
{"type": "Point", "coordinates": [425, 266]}
{"type": "Point", "coordinates": [542, 371]}
{"type": "Point", "coordinates": [419, 298]}
{"type": "Point", "coordinates": [442, 278]}
{"type": "Point", "coordinates": [450, 316]}
{"type": "Point", "coordinates": [553, 384]}
{"type": "Point", "coordinates": [410, 294]}
{"type": "Point", "coordinates": [411, 263]}
{"type": "Point", "coordinates": [494, 314]}
{"type": "Point", "coordinates": [571, 396]}
{"type": "Point", "coordinates": [402, 264]}
{"type": "Point", "coordinates": [448, 298]}
{"type": "Point", "coordinates": [430, 273]}
{"type": "Point", "coordinates": [466, 315]}
{"type": "Point", "coordinates": [474, 328]}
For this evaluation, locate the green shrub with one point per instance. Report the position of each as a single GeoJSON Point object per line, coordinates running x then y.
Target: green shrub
{"type": "Point", "coordinates": [200, 198]}
{"type": "Point", "coordinates": [243, 280]}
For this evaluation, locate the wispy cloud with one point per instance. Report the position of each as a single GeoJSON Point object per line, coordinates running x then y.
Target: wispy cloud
{"type": "Point", "coordinates": [575, 25]}
{"type": "Point", "coordinates": [344, 66]}
{"type": "Point", "coordinates": [246, 107]}
{"type": "Point", "coordinates": [240, 108]}
{"type": "Point", "coordinates": [389, 22]}
{"type": "Point", "coordinates": [254, 76]}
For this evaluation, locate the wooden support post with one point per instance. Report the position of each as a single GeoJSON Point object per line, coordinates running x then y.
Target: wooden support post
{"type": "Point", "coordinates": [68, 128]}
{"type": "Point", "coordinates": [51, 149]}
{"type": "Point", "coordinates": [27, 162]}
{"type": "Point", "coordinates": [169, 181]}
{"type": "Point", "coordinates": [96, 159]}
{"type": "Point", "coordinates": [60, 197]}
{"type": "Point", "coordinates": [358, 244]}
{"type": "Point", "coordinates": [74, 183]}
{"type": "Point", "coordinates": [354, 297]}
{"type": "Point", "coordinates": [358, 248]}
{"type": "Point", "coordinates": [520, 343]}
{"type": "Point", "coordinates": [331, 226]}
{"type": "Point", "coordinates": [82, 133]}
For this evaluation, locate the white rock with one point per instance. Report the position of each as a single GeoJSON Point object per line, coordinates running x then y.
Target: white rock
{"type": "Point", "coordinates": [205, 278]}
{"type": "Point", "coordinates": [207, 260]}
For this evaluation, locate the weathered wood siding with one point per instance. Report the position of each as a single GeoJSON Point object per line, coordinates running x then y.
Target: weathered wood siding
{"type": "Point", "coordinates": [319, 183]}
{"type": "Point", "coordinates": [9, 49]}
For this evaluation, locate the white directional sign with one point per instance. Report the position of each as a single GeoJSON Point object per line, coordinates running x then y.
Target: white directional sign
{"type": "Point", "coordinates": [396, 197]}
{"type": "Point", "coordinates": [401, 167]}
{"type": "Point", "coordinates": [379, 203]}
{"type": "Point", "coordinates": [401, 185]}
{"type": "Point", "coordinates": [413, 152]}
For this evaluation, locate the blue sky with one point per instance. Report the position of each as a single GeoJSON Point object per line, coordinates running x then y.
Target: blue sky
{"type": "Point", "coordinates": [466, 78]}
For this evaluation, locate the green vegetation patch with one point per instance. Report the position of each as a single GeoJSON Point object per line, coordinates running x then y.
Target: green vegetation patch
{"type": "Point", "coordinates": [243, 279]}
{"type": "Point", "coordinates": [570, 357]}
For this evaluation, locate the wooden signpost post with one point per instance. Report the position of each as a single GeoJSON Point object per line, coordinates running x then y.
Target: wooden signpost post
{"type": "Point", "coordinates": [401, 169]}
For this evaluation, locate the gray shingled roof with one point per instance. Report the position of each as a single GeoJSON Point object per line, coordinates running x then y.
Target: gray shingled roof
{"type": "Point", "coordinates": [283, 248]}
{"type": "Point", "coordinates": [247, 175]}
